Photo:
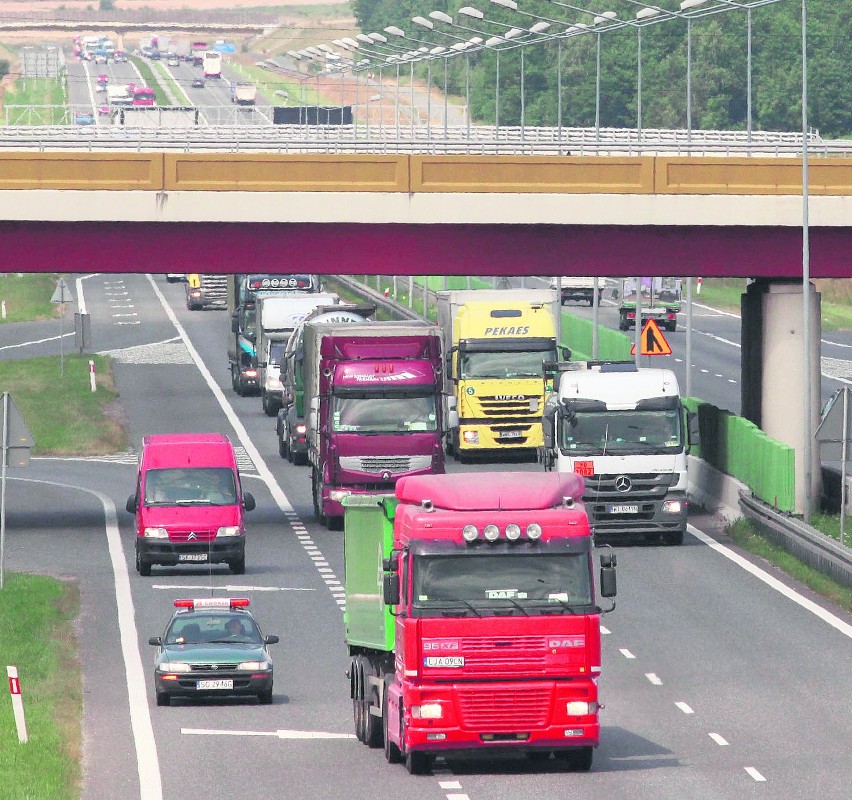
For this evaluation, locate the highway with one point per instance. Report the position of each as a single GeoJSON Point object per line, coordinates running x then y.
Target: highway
{"type": "Point", "coordinates": [719, 680]}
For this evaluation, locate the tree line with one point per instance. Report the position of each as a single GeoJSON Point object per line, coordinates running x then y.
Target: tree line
{"type": "Point", "coordinates": [719, 65]}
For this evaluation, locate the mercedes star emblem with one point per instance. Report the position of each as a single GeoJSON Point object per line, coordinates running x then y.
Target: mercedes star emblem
{"type": "Point", "coordinates": [622, 484]}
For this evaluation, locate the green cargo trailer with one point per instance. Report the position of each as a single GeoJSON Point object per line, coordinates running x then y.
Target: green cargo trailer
{"type": "Point", "coordinates": [367, 541]}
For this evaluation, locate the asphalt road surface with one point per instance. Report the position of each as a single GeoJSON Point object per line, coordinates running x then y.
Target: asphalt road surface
{"type": "Point", "coordinates": [720, 680]}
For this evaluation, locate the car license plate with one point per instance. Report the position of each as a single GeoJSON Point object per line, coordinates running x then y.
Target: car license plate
{"type": "Point", "coordinates": [623, 509]}
{"type": "Point", "coordinates": [511, 434]}
{"type": "Point", "coordinates": [192, 556]}
{"type": "Point", "coordinates": [444, 661]}
{"type": "Point", "coordinates": [220, 684]}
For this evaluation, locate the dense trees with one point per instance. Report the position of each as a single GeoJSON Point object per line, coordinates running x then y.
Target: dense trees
{"type": "Point", "coordinates": [719, 48]}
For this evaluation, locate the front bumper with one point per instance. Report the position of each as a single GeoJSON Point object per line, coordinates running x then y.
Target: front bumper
{"type": "Point", "coordinates": [185, 684]}
{"type": "Point", "coordinates": [217, 551]}
{"type": "Point", "coordinates": [504, 435]}
{"type": "Point", "coordinates": [651, 520]}
{"type": "Point", "coordinates": [555, 737]}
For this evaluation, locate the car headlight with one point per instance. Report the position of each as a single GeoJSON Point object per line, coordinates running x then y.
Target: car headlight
{"type": "Point", "coordinates": [253, 665]}
{"type": "Point", "coordinates": [174, 666]}
{"type": "Point", "coordinates": [228, 530]}
{"type": "Point", "coordinates": [427, 711]}
{"type": "Point", "coordinates": [301, 428]}
{"type": "Point", "coordinates": [156, 533]}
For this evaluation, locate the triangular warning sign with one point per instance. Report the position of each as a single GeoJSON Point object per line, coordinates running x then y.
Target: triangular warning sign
{"type": "Point", "coordinates": [652, 342]}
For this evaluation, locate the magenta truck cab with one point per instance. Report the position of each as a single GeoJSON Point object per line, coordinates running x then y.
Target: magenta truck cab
{"type": "Point", "coordinates": [188, 505]}
{"type": "Point", "coordinates": [373, 408]}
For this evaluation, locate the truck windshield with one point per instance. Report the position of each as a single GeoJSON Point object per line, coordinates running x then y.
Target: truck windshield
{"type": "Point", "coordinates": [204, 486]}
{"type": "Point", "coordinates": [384, 412]}
{"type": "Point", "coordinates": [503, 364]}
{"type": "Point", "coordinates": [502, 582]}
{"type": "Point", "coordinates": [276, 353]}
{"type": "Point", "coordinates": [622, 432]}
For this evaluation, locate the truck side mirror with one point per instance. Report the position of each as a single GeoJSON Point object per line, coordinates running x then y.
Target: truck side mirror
{"type": "Point", "coordinates": [390, 589]}
{"type": "Point", "coordinates": [548, 424]}
{"type": "Point", "coordinates": [157, 640]}
{"type": "Point", "coordinates": [249, 503]}
{"type": "Point", "coordinates": [566, 353]}
{"type": "Point", "coordinates": [235, 323]}
{"type": "Point", "coordinates": [131, 504]}
{"type": "Point", "coordinates": [614, 294]}
{"type": "Point", "coordinates": [452, 419]}
{"type": "Point", "coordinates": [608, 581]}
{"type": "Point", "coordinates": [313, 412]}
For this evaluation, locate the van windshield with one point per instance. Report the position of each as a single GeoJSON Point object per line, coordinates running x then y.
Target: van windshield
{"type": "Point", "coordinates": [213, 486]}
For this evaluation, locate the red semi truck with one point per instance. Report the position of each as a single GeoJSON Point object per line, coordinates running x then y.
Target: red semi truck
{"type": "Point", "coordinates": [471, 618]}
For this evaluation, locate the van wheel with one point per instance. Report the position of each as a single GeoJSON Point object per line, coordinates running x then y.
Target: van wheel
{"type": "Point", "coordinates": [163, 699]}
{"type": "Point", "coordinates": [265, 697]}
{"type": "Point", "coordinates": [142, 567]}
{"type": "Point", "coordinates": [284, 445]}
{"type": "Point", "coordinates": [238, 566]}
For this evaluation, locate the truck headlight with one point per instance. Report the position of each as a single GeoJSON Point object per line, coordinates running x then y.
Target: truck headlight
{"type": "Point", "coordinates": [337, 495]}
{"type": "Point", "coordinates": [253, 665]}
{"type": "Point", "coordinates": [228, 530]}
{"type": "Point", "coordinates": [427, 711]}
{"type": "Point", "coordinates": [156, 533]}
{"type": "Point", "coordinates": [672, 507]}
{"type": "Point", "coordinates": [471, 437]}
{"type": "Point", "coordinates": [174, 666]}
{"type": "Point", "coordinates": [579, 708]}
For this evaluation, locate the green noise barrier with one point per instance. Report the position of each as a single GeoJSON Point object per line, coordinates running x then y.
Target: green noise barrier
{"type": "Point", "coordinates": [577, 334]}
{"type": "Point", "coordinates": [737, 447]}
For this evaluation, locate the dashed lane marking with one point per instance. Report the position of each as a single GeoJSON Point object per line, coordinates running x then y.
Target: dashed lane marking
{"type": "Point", "coordinates": [450, 784]}
{"type": "Point", "coordinates": [626, 653]}
{"type": "Point", "coordinates": [755, 774]}
{"type": "Point", "coordinates": [605, 631]}
{"type": "Point", "coordinates": [685, 708]}
{"type": "Point", "coordinates": [654, 679]}
{"type": "Point", "coordinates": [720, 740]}
{"type": "Point", "coordinates": [282, 734]}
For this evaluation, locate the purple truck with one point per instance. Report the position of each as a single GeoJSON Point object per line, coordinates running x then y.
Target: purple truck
{"type": "Point", "coordinates": [374, 408]}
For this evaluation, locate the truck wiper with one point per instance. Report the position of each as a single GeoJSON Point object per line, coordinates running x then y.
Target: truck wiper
{"type": "Point", "coordinates": [517, 605]}
{"type": "Point", "coordinates": [448, 602]}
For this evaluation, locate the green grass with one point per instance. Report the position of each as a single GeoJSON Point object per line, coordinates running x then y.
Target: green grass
{"type": "Point", "coordinates": [829, 524]}
{"type": "Point", "coordinates": [37, 636]}
{"type": "Point", "coordinates": [744, 535]}
{"type": "Point", "coordinates": [38, 92]}
{"type": "Point", "coordinates": [725, 293]}
{"type": "Point", "coordinates": [27, 295]}
{"type": "Point", "coordinates": [179, 94]}
{"type": "Point", "coordinates": [64, 416]}
{"type": "Point", "coordinates": [299, 92]}
{"type": "Point", "coordinates": [150, 80]}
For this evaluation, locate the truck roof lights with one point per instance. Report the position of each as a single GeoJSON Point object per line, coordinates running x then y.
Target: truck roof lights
{"type": "Point", "coordinates": [513, 532]}
{"type": "Point", "coordinates": [470, 533]}
{"type": "Point", "coordinates": [534, 531]}
{"type": "Point", "coordinates": [214, 602]}
{"type": "Point", "coordinates": [491, 533]}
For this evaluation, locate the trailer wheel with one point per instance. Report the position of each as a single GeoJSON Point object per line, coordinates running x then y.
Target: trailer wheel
{"type": "Point", "coordinates": [392, 752]}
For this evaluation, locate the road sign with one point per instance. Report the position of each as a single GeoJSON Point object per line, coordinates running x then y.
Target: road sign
{"type": "Point", "coordinates": [16, 437]}
{"type": "Point", "coordinates": [652, 341]}
{"type": "Point", "coordinates": [62, 294]}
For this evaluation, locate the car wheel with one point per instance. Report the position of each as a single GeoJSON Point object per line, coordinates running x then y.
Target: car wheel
{"type": "Point", "coordinates": [163, 699]}
{"type": "Point", "coordinates": [417, 763]}
{"type": "Point", "coordinates": [142, 567]}
{"type": "Point", "coordinates": [673, 538]}
{"type": "Point", "coordinates": [268, 408]}
{"type": "Point", "coordinates": [284, 445]}
{"type": "Point", "coordinates": [265, 697]}
{"type": "Point", "coordinates": [238, 566]}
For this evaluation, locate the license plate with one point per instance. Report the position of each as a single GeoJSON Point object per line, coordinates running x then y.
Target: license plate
{"type": "Point", "coordinates": [511, 434]}
{"type": "Point", "coordinates": [623, 509]}
{"type": "Point", "coordinates": [444, 661]}
{"type": "Point", "coordinates": [584, 468]}
{"type": "Point", "coordinates": [222, 684]}
{"type": "Point", "coordinates": [192, 556]}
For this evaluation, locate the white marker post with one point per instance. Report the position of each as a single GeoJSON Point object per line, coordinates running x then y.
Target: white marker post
{"type": "Point", "coordinates": [92, 376]}
{"type": "Point", "coordinates": [17, 703]}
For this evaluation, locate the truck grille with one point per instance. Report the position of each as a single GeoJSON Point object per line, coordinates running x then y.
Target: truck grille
{"type": "Point", "coordinates": [499, 710]}
{"type": "Point", "coordinates": [645, 490]}
{"type": "Point", "coordinates": [494, 406]}
{"type": "Point", "coordinates": [523, 655]}
{"type": "Point", "coordinates": [394, 465]}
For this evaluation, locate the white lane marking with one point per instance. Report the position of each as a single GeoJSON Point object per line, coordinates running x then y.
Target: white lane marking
{"type": "Point", "coordinates": [626, 653]}
{"type": "Point", "coordinates": [654, 678]}
{"type": "Point", "coordinates": [720, 740]}
{"type": "Point", "coordinates": [147, 764]}
{"type": "Point", "coordinates": [718, 375]}
{"type": "Point", "coordinates": [81, 297]}
{"type": "Point", "coordinates": [731, 380]}
{"type": "Point", "coordinates": [755, 774]}
{"type": "Point", "coordinates": [684, 707]}
{"type": "Point", "coordinates": [229, 588]}
{"type": "Point", "coordinates": [791, 594]}
{"type": "Point", "coordinates": [721, 339]}
{"type": "Point", "coordinates": [457, 796]}
{"type": "Point", "coordinates": [137, 322]}
{"type": "Point", "coordinates": [705, 371]}
{"type": "Point", "coordinates": [283, 734]}
{"type": "Point", "coordinates": [450, 784]}
{"type": "Point", "coordinates": [35, 341]}
{"type": "Point", "coordinates": [604, 631]}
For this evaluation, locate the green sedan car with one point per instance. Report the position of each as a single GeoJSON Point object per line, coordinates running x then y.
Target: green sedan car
{"type": "Point", "coordinates": [212, 647]}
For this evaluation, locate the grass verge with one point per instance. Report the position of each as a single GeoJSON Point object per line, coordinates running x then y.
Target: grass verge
{"type": "Point", "coordinates": [746, 536]}
{"type": "Point", "coordinates": [63, 414]}
{"type": "Point", "coordinates": [177, 92]}
{"type": "Point", "coordinates": [27, 296]}
{"type": "Point", "coordinates": [725, 293]}
{"type": "Point", "coordinates": [37, 636]}
{"type": "Point", "coordinates": [37, 92]}
{"type": "Point", "coordinates": [150, 80]}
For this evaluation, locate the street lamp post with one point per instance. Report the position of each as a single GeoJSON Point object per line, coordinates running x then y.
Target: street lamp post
{"type": "Point", "coordinates": [806, 274]}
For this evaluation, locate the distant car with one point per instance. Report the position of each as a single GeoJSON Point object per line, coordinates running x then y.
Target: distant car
{"type": "Point", "coordinates": [85, 118]}
{"type": "Point", "coordinates": [175, 277]}
{"type": "Point", "coordinates": [212, 647]}
{"type": "Point", "coordinates": [100, 59]}
{"type": "Point", "coordinates": [173, 62]}
{"type": "Point", "coordinates": [198, 83]}
{"type": "Point", "coordinates": [103, 111]}
{"type": "Point", "coordinates": [103, 79]}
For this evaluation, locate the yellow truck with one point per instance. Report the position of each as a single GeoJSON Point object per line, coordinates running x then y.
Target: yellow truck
{"type": "Point", "coordinates": [495, 343]}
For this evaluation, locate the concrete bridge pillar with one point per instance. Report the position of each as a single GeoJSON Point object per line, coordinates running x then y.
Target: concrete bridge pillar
{"type": "Point", "coordinates": [774, 380]}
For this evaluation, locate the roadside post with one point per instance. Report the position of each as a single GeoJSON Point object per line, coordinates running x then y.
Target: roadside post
{"type": "Point", "coordinates": [17, 704]}
{"type": "Point", "coordinates": [16, 443]}
{"type": "Point", "coordinates": [835, 431]}
{"type": "Point", "coordinates": [92, 381]}
{"type": "Point", "coordinates": [61, 296]}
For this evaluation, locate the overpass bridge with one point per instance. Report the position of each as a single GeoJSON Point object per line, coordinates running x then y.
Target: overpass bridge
{"type": "Point", "coordinates": [402, 209]}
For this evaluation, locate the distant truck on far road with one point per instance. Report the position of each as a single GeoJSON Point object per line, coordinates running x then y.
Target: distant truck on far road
{"type": "Point", "coordinates": [573, 288]}
{"type": "Point", "coordinates": [243, 94]}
